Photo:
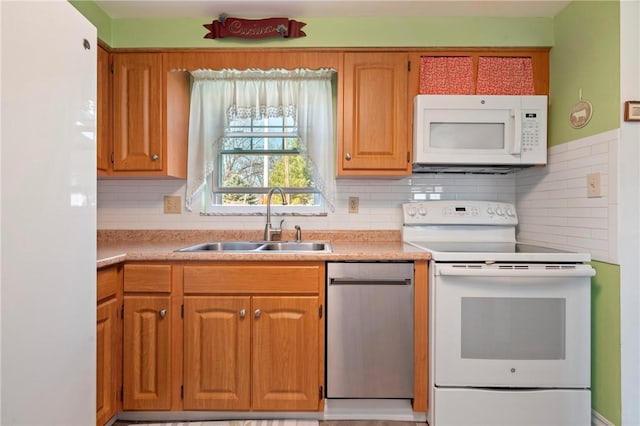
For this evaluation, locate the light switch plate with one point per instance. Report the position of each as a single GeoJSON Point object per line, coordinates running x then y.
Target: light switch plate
{"type": "Point", "coordinates": [354, 203]}
{"type": "Point", "coordinates": [593, 185]}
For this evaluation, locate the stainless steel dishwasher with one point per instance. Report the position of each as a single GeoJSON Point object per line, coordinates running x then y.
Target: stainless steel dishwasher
{"type": "Point", "coordinates": [370, 330]}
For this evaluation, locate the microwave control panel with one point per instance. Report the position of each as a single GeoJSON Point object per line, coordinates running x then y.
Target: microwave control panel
{"type": "Point", "coordinates": [530, 131]}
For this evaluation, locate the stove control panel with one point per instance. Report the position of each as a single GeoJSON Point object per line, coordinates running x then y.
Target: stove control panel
{"type": "Point", "coordinates": [446, 212]}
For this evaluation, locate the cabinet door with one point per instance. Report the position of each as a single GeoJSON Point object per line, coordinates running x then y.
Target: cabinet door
{"type": "Point", "coordinates": [217, 353]}
{"type": "Point", "coordinates": [285, 352]}
{"type": "Point", "coordinates": [376, 134]}
{"type": "Point", "coordinates": [106, 353]}
{"type": "Point", "coordinates": [137, 112]}
{"type": "Point", "coordinates": [147, 350]}
{"type": "Point", "coordinates": [103, 128]}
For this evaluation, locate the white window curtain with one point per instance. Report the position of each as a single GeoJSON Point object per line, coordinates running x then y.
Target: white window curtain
{"type": "Point", "coordinates": [216, 95]}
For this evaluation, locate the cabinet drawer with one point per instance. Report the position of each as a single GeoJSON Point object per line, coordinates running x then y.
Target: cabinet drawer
{"type": "Point", "coordinates": [257, 278]}
{"type": "Point", "coordinates": [107, 282]}
{"type": "Point", "coordinates": [147, 278]}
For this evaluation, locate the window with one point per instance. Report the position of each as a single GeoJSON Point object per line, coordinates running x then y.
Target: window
{"type": "Point", "coordinates": [259, 153]}
{"type": "Point", "coordinates": [253, 130]}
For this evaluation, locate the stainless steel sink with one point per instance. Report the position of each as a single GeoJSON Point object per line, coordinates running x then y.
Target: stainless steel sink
{"type": "Point", "coordinates": [225, 246]}
{"type": "Point", "coordinates": [293, 246]}
{"type": "Point", "coordinates": [259, 247]}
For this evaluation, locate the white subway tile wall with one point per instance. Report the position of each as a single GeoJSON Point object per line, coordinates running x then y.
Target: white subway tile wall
{"type": "Point", "coordinates": [138, 204]}
{"type": "Point", "coordinates": [552, 203]}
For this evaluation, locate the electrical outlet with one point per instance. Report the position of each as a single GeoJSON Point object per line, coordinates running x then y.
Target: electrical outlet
{"type": "Point", "coordinates": [172, 204]}
{"type": "Point", "coordinates": [593, 185]}
{"type": "Point", "coordinates": [354, 203]}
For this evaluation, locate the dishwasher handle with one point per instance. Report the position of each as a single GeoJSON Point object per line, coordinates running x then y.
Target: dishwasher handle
{"type": "Point", "coordinates": [360, 281]}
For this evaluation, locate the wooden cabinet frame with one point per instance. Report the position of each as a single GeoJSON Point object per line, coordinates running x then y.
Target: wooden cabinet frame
{"type": "Point", "coordinates": [175, 88]}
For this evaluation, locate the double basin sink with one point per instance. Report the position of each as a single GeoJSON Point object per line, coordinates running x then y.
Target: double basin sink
{"type": "Point", "coordinates": [259, 247]}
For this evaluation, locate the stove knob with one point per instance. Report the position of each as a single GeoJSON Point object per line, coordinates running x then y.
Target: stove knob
{"type": "Point", "coordinates": [499, 211]}
{"type": "Point", "coordinates": [422, 211]}
{"type": "Point", "coordinates": [490, 210]}
{"type": "Point", "coordinates": [411, 211]}
{"type": "Point", "coordinates": [510, 212]}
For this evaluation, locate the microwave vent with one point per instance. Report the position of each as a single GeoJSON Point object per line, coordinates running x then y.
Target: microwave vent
{"type": "Point", "coordinates": [467, 169]}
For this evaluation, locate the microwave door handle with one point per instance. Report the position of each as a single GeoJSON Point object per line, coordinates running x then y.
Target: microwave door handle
{"type": "Point", "coordinates": [517, 137]}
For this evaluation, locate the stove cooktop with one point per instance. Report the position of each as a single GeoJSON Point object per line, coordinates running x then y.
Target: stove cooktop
{"type": "Point", "coordinates": [460, 251]}
{"type": "Point", "coordinates": [474, 231]}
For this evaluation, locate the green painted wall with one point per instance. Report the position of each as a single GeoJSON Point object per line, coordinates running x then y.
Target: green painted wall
{"type": "Point", "coordinates": [605, 342]}
{"type": "Point", "coordinates": [347, 32]}
{"type": "Point", "coordinates": [96, 16]}
{"type": "Point", "coordinates": [585, 55]}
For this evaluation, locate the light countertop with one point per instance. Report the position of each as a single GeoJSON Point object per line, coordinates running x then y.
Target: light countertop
{"type": "Point", "coordinates": [140, 245]}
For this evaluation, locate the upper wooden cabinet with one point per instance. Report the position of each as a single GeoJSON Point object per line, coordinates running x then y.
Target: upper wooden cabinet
{"type": "Point", "coordinates": [374, 137]}
{"type": "Point", "coordinates": [103, 127]}
{"type": "Point", "coordinates": [137, 112]}
{"type": "Point", "coordinates": [146, 132]}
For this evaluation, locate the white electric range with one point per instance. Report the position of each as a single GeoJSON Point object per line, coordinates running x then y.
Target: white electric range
{"type": "Point", "coordinates": [509, 322]}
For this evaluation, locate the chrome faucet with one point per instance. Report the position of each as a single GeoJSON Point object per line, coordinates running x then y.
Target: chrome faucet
{"type": "Point", "coordinates": [269, 233]}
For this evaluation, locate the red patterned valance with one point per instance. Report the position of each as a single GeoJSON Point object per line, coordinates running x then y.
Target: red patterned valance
{"type": "Point", "coordinates": [497, 75]}
{"type": "Point", "coordinates": [446, 75]}
{"type": "Point", "coordinates": [505, 76]}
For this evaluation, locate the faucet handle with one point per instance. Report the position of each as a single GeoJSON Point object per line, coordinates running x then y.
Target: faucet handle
{"type": "Point", "coordinates": [280, 226]}
{"type": "Point", "coordinates": [298, 233]}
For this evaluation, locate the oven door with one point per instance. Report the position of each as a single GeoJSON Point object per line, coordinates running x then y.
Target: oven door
{"type": "Point", "coordinates": [519, 326]}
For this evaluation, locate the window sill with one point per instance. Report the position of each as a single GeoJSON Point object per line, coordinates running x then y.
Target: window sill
{"type": "Point", "coordinates": [293, 214]}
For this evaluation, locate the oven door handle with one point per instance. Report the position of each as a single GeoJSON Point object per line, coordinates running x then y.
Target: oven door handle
{"type": "Point", "coordinates": [526, 273]}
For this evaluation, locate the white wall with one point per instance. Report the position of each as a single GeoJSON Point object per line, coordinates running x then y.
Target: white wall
{"type": "Point", "coordinates": [629, 220]}
{"type": "Point", "coordinates": [138, 204]}
{"type": "Point", "coordinates": [552, 202]}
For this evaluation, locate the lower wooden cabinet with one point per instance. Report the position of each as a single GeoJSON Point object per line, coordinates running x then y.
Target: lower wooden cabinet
{"type": "Point", "coordinates": [147, 353]}
{"type": "Point", "coordinates": [254, 336]}
{"type": "Point", "coordinates": [106, 335]}
{"type": "Point", "coordinates": [258, 353]}
{"type": "Point", "coordinates": [285, 353]}
{"type": "Point", "coordinates": [108, 343]}
{"type": "Point", "coordinates": [217, 353]}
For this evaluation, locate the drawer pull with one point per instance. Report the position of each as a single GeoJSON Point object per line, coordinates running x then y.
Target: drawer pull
{"type": "Point", "coordinates": [162, 313]}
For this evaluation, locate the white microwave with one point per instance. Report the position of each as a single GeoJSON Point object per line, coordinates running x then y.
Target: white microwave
{"type": "Point", "coordinates": [491, 133]}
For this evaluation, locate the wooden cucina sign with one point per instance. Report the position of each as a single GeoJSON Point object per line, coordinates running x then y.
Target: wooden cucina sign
{"type": "Point", "coordinates": [226, 26]}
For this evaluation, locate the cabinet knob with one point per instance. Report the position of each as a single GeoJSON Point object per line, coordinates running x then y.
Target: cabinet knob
{"type": "Point", "coordinates": [347, 156]}
{"type": "Point", "coordinates": [154, 157]}
{"type": "Point", "coordinates": [162, 313]}
{"type": "Point", "coordinates": [242, 313]}
{"type": "Point", "coordinates": [257, 313]}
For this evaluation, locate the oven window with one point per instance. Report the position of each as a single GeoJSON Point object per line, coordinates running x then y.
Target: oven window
{"type": "Point", "coordinates": [513, 328]}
